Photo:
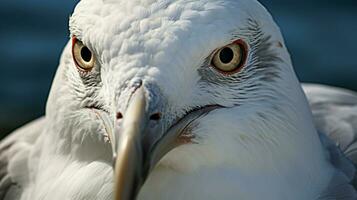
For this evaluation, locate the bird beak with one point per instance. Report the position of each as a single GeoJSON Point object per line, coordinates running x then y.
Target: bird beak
{"type": "Point", "coordinates": [138, 144]}
{"type": "Point", "coordinates": [128, 153]}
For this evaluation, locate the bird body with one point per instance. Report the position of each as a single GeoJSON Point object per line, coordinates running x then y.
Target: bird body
{"type": "Point", "coordinates": [257, 140]}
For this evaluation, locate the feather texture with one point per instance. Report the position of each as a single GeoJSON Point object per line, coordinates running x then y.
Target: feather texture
{"type": "Point", "coordinates": [260, 144]}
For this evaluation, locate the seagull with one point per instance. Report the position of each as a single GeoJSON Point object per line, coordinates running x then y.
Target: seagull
{"type": "Point", "coordinates": [182, 99]}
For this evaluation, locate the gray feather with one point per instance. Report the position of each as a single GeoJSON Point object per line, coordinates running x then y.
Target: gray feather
{"type": "Point", "coordinates": [335, 113]}
{"type": "Point", "coordinates": [16, 148]}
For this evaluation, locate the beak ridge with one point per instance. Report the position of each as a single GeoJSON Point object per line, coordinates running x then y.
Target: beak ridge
{"type": "Point", "coordinates": [128, 149]}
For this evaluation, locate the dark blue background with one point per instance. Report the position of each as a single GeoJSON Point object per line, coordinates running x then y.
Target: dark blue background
{"type": "Point", "coordinates": [320, 34]}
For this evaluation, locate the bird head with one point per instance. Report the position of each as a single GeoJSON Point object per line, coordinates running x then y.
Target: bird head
{"type": "Point", "coordinates": [140, 77]}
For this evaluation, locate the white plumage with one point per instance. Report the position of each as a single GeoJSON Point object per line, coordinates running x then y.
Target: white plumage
{"type": "Point", "coordinates": [261, 143]}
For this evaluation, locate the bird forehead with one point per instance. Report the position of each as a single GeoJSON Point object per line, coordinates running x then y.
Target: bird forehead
{"type": "Point", "coordinates": [156, 29]}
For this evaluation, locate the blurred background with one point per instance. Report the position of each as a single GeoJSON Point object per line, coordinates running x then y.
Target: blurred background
{"type": "Point", "coordinates": [320, 34]}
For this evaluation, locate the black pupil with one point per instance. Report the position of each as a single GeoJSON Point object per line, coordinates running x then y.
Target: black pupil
{"type": "Point", "coordinates": [226, 55]}
{"type": "Point", "coordinates": [86, 54]}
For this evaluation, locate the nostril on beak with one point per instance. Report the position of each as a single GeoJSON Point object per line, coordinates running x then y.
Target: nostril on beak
{"type": "Point", "coordinates": [119, 115]}
{"type": "Point", "coordinates": [155, 116]}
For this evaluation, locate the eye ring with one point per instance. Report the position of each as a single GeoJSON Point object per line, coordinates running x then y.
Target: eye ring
{"type": "Point", "coordinates": [231, 58]}
{"type": "Point", "coordinates": [82, 55]}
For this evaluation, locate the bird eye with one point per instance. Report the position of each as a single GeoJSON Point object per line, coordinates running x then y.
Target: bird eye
{"type": "Point", "coordinates": [82, 55]}
{"type": "Point", "coordinates": [230, 58]}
